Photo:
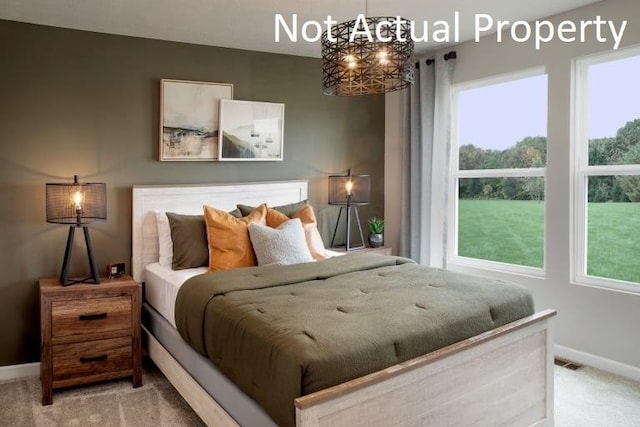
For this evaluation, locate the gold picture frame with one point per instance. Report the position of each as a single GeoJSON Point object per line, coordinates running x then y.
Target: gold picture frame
{"type": "Point", "coordinates": [189, 119]}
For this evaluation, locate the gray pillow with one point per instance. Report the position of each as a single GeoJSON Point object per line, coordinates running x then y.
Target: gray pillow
{"type": "Point", "coordinates": [280, 246]}
{"type": "Point", "coordinates": [288, 210]}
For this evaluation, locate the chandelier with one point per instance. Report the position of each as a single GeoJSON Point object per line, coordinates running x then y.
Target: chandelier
{"type": "Point", "coordinates": [367, 56]}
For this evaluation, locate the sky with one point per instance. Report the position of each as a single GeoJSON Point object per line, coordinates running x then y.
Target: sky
{"type": "Point", "coordinates": [614, 96]}
{"type": "Point", "coordinates": [498, 116]}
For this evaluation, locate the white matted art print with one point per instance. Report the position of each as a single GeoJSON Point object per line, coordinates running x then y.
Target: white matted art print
{"type": "Point", "coordinates": [251, 131]}
{"type": "Point", "coordinates": [189, 119]}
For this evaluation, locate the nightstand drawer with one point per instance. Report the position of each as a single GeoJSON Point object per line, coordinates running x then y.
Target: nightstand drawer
{"type": "Point", "coordinates": [101, 360]}
{"type": "Point", "coordinates": [90, 316]}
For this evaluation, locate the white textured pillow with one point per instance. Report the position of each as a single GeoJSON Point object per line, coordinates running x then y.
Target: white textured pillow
{"type": "Point", "coordinates": [165, 244]}
{"type": "Point", "coordinates": [283, 245]}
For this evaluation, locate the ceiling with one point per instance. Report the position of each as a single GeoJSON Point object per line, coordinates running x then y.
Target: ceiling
{"type": "Point", "coordinates": [250, 24]}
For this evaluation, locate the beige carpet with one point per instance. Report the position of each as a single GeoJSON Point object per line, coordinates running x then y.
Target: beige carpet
{"type": "Point", "coordinates": [115, 403]}
{"type": "Point", "coordinates": [584, 398]}
{"type": "Point", "coordinates": [589, 397]}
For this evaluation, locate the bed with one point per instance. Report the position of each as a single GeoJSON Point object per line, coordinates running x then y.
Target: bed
{"type": "Point", "coordinates": [499, 377]}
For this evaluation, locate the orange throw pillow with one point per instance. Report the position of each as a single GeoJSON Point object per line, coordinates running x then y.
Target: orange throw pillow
{"type": "Point", "coordinates": [309, 223]}
{"type": "Point", "coordinates": [228, 237]}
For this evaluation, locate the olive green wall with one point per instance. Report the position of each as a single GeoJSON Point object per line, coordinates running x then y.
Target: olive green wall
{"type": "Point", "coordinates": [74, 102]}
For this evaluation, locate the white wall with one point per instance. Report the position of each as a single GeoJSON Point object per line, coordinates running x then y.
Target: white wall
{"type": "Point", "coordinates": [599, 322]}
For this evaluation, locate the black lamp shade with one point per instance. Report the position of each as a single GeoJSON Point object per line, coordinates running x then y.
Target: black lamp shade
{"type": "Point", "coordinates": [76, 203]}
{"type": "Point", "coordinates": [359, 193]}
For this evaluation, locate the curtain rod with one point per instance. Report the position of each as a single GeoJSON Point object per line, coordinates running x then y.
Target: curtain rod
{"type": "Point", "coordinates": [447, 56]}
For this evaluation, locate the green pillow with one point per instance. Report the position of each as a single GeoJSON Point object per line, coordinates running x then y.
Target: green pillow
{"type": "Point", "coordinates": [288, 210]}
{"type": "Point", "coordinates": [236, 212]}
{"type": "Point", "coordinates": [189, 237]}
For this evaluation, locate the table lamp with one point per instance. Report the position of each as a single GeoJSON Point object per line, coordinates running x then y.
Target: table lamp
{"type": "Point", "coordinates": [76, 204]}
{"type": "Point", "coordinates": [349, 191]}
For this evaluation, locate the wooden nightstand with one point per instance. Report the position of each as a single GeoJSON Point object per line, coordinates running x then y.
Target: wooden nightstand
{"type": "Point", "coordinates": [89, 333]}
{"type": "Point", "coordinates": [383, 250]}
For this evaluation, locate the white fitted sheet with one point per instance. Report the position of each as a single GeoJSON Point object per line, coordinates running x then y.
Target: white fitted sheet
{"type": "Point", "coordinates": [162, 285]}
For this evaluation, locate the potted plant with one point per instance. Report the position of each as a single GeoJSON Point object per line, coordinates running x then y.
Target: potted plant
{"type": "Point", "coordinates": [376, 229]}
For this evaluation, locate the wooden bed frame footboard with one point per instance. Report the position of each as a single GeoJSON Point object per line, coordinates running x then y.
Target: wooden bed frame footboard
{"type": "Point", "coordinates": [502, 377]}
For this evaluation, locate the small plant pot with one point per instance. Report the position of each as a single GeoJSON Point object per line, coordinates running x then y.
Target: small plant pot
{"type": "Point", "coordinates": [376, 240]}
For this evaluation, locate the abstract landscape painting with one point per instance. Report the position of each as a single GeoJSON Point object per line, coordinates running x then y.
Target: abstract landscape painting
{"type": "Point", "coordinates": [251, 130]}
{"type": "Point", "coordinates": [189, 119]}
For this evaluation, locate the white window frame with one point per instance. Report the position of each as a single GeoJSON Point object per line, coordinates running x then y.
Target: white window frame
{"type": "Point", "coordinates": [454, 260]}
{"type": "Point", "coordinates": [581, 171]}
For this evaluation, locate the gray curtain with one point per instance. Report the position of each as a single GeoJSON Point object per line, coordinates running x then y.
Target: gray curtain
{"type": "Point", "coordinates": [426, 148]}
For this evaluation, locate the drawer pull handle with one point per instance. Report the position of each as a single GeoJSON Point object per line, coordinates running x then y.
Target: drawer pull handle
{"type": "Point", "coordinates": [94, 316]}
{"type": "Point", "coordinates": [100, 358]}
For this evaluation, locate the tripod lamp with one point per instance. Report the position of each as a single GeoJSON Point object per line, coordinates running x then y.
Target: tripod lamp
{"type": "Point", "coordinates": [349, 191]}
{"type": "Point", "coordinates": [76, 204]}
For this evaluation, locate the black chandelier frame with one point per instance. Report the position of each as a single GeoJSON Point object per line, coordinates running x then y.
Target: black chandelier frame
{"type": "Point", "coordinates": [364, 65]}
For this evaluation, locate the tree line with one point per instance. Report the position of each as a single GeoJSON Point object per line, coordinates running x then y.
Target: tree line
{"type": "Point", "coordinates": [531, 152]}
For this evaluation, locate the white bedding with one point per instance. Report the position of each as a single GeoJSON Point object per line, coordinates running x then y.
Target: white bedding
{"type": "Point", "coordinates": [162, 285]}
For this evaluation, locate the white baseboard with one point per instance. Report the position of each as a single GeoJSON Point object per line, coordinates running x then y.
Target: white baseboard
{"type": "Point", "coordinates": [19, 371]}
{"type": "Point", "coordinates": [598, 362]}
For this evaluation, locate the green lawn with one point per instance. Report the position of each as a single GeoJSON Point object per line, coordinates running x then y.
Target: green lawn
{"type": "Point", "coordinates": [613, 248]}
{"type": "Point", "coordinates": [512, 232]}
{"type": "Point", "coordinates": [502, 230]}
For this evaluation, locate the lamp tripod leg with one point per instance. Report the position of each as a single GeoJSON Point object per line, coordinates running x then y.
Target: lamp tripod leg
{"type": "Point", "coordinates": [361, 245]}
{"type": "Point", "coordinates": [347, 245]}
{"type": "Point", "coordinates": [335, 230]}
{"type": "Point", "coordinates": [92, 261]}
{"type": "Point", "coordinates": [67, 256]}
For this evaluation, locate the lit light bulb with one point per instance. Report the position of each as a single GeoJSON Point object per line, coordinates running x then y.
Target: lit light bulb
{"type": "Point", "coordinates": [349, 187]}
{"type": "Point", "coordinates": [382, 57]}
{"type": "Point", "coordinates": [77, 200]}
{"type": "Point", "coordinates": [351, 61]}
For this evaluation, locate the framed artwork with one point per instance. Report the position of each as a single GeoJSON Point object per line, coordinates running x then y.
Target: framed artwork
{"type": "Point", "coordinates": [250, 131]}
{"type": "Point", "coordinates": [189, 119]}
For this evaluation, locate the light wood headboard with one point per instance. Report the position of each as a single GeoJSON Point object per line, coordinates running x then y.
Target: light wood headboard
{"type": "Point", "coordinates": [189, 199]}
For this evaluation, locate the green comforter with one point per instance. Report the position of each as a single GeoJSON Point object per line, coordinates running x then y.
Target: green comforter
{"type": "Point", "coordinates": [280, 332]}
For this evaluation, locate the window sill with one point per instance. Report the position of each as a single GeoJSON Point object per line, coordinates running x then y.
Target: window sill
{"type": "Point", "coordinates": [607, 284]}
{"type": "Point", "coordinates": [495, 270]}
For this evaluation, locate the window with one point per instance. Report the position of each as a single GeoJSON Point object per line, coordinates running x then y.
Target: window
{"type": "Point", "coordinates": [498, 167]}
{"type": "Point", "coordinates": [606, 150]}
